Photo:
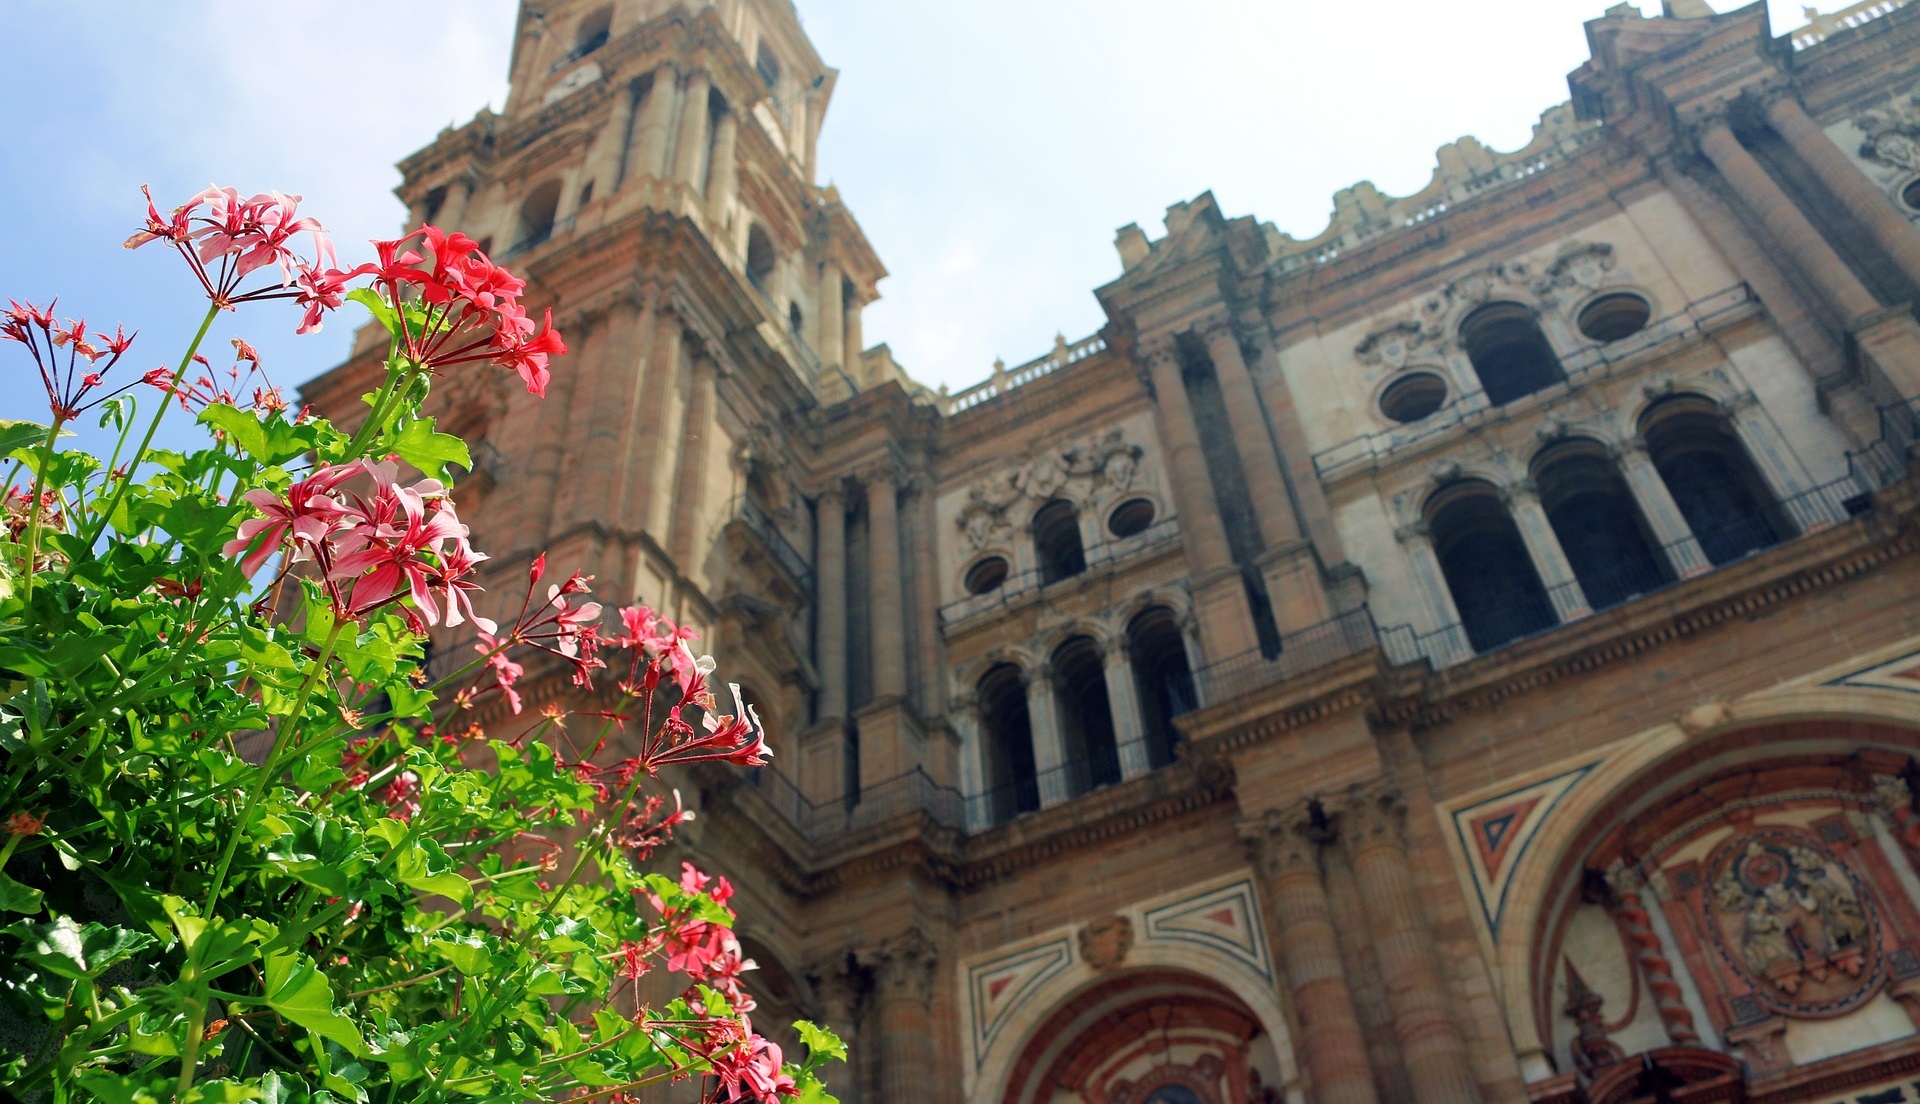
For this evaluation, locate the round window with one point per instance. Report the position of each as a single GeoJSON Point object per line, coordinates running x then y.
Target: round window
{"type": "Point", "coordinates": [1910, 195]}
{"type": "Point", "coordinates": [1413, 397]}
{"type": "Point", "coordinates": [1612, 317]}
{"type": "Point", "coordinates": [986, 575]}
{"type": "Point", "coordinates": [1130, 517]}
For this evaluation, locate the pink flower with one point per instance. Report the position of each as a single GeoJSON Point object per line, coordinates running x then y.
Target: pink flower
{"type": "Point", "coordinates": [68, 357]}
{"type": "Point", "coordinates": [505, 671]}
{"type": "Point", "coordinates": [308, 513]}
{"type": "Point", "coordinates": [400, 795]}
{"type": "Point", "coordinates": [225, 237]}
{"type": "Point", "coordinates": [751, 1071]}
{"type": "Point", "coordinates": [527, 355]}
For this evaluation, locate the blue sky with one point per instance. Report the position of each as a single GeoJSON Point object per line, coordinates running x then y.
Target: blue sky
{"type": "Point", "coordinates": [989, 147]}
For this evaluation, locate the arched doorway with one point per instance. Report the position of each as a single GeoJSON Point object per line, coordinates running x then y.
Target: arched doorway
{"type": "Point", "coordinates": [1743, 907]}
{"type": "Point", "coordinates": [1152, 1036]}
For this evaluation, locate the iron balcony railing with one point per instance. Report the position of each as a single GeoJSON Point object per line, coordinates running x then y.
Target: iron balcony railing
{"type": "Point", "coordinates": [1700, 316]}
{"type": "Point", "coordinates": [754, 518]}
{"type": "Point", "coordinates": [1020, 585]}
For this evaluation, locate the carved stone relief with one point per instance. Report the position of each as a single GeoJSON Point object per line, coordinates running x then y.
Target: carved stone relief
{"type": "Point", "coordinates": [1891, 132]}
{"type": "Point", "coordinates": [1087, 471]}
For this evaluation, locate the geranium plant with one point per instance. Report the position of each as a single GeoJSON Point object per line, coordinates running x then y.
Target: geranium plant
{"type": "Point", "coordinates": [247, 850]}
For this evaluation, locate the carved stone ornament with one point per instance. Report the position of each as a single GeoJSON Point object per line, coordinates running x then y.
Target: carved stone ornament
{"type": "Point", "coordinates": [1592, 1050]}
{"type": "Point", "coordinates": [1892, 132]}
{"type": "Point", "coordinates": [1104, 943]}
{"type": "Point", "coordinates": [1794, 922]}
{"type": "Point", "coordinates": [1577, 266]}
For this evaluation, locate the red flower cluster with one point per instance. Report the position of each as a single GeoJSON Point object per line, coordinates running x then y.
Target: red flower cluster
{"type": "Point", "coordinates": [67, 385]}
{"type": "Point", "coordinates": [371, 549]}
{"type": "Point", "coordinates": [468, 307]}
{"type": "Point", "coordinates": [225, 237]}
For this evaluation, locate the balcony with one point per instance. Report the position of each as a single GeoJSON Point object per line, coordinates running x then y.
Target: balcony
{"type": "Point", "coordinates": [1582, 366]}
{"type": "Point", "coordinates": [750, 523]}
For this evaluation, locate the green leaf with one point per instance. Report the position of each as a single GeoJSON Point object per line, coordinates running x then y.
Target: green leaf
{"type": "Point", "coordinates": [220, 1092]}
{"type": "Point", "coordinates": [15, 897]}
{"type": "Point", "coordinates": [821, 1043]}
{"type": "Point", "coordinates": [113, 1088]}
{"type": "Point", "coordinates": [282, 1088]}
{"type": "Point", "coordinates": [273, 440]}
{"type": "Point", "coordinates": [813, 1090]}
{"type": "Point", "coordinates": [15, 434]}
{"type": "Point", "coordinates": [297, 990]}
{"type": "Point", "coordinates": [469, 953]}
{"type": "Point", "coordinates": [72, 950]}
{"type": "Point", "coordinates": [382, 312]}
{"type": "Point", "coordinates": [428, 451]}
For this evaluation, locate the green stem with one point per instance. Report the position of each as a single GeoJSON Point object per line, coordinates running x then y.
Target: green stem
{"type": "Point", "coordinates": [269, 767]}
{"type": "Point", "coordinates": [153, 427]}
{"type": "Point", "coordinates": [33, 505]}
{"type": "Point", "coordinates": [190, 1058]}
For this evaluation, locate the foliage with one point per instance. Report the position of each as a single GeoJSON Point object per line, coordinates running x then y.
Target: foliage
{"type": "Point", "coordinates": [249, 852]}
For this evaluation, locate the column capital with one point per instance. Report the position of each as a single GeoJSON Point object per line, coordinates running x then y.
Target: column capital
{"type": "Point", "coordinates": [1416, 531]}
{"type": "Point", "coordinates": [1776, 93]}
{"type": "Point", "coordinates": [834, 490]}
{"type": "Point", "coordinates": [1522, 490]}
{"type": "Point", "coordinates": [903, 966]}
{"type": "Point", "coordinates": [885, 470]}
{"type": "Point", "coordinates": [1287, 841]}
{"type": "Point", "coordinates": [1704, 123]}
{"type": "Point", "coordinates": [1625, 881]}
{"type": "Point", "coordinates": [1374, 815]}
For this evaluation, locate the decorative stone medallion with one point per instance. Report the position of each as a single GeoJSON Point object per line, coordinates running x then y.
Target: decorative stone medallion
{"type": "Point", "coordinates": [1793, 922]}
{"type": "Point", "coordinates": [1104, 943]}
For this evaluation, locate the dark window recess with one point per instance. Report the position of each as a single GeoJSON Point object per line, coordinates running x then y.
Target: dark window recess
{"type": "Point", "coordinates": [1130, 517]}
{"type": "Point", "coordinates": [1056, 537]}
{"type": "Point", "coordinates": [436, 199]}
{"type": "Point", "coordinates": [1486, 565]}
{"type": "Point", "coordinates": [1727, 504]}
{"type": "Point", "coordinates": [768, 66]}
{"type": "Point", "coordinates": [592, 32]}
{"type": "Point", "coordinates": [1612, 317]}
{"type": "Point", "coordinates": [1413, 397]}
{"type": "Point", "coordinates": [796, 320]}
{"type": "Point", "coordinates": [586, 194]}
{"type": "Point", "coordinates": [1086, 719]}
{"type": "Point", "coordinates": [1509, 352]}
{"type": "Point", "coordinates": [986, 575]}
{"type": "Point", "coordinates": [1162, 678]}
{"type": "Point", "coordinates": [536, 215]}
{"type": "Point", "coordinates": [1598, 523]}
{"type": "Point", "coordinates": [1910, 195]}
{"type": "Point", "coordinates": [1013, 785]}
{"type": "Point", "coordinates": [760, 257]}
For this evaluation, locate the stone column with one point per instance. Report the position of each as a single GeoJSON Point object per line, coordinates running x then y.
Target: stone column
{"type": "Point", "coordinates": [454, 211]}
{"type": "Point", "coordinates": [1779, 467]}
{"type": "Point", "coordinates": [1848, 184]}
{"type": "Point", "coordinates": [1845, 295]}
{"type": "Point", "coordinates": [1285, 847]}
{"type": "Point", "coordinates": [922, 521]}
{"type": "Point", "coordinates": [965, 717]}
{"type": "Point", "coordinates": [1373, 826]}
{"type": "Point", "coordinates": [1636, 927]}
{"type": "Point", "coordinates": [691, 144]}
{"type": "Point", "coordinates": [839, 995]}
{"type": "Point", "coordinates": [723, 179]}
{"type": "Point", "coordinates": [609, 147]}
{"type": "Point", "coordinates": [1049, 747]}
{"type": "Point", "coordinates": [1543, 546]}
{"type": "Point", "coordinates": [830, 585]}
{"type": "Point", "coordinates": [1669, 525]}
{"type": "Point", "coordinates": [883, 567]}
{"type": "Point", "coordinates": [695, 444]}
{"type": "Point", "coordinates": [663, 410]}
{"type": "Point", "coordinates": [613, 367]}
{"type": "Point", "coordinates": [1272, 508]}
{"type": "Point", "coordinates": [903, 970]}
{"type": "Point", "coordinates": [1123, 701]}
{"type": "Point", "coordinates": [1810, 341]}
{"type": "Point", "coordinates": [853, 343]}
{"type": "Point", "coordinates": [1200, 526]}
{"type": "Point", "coordinates": [832, 315]}
{"type": "Point", "coordinates": [1450, 644]}
{"type": "Point", "coordinates": [656, 125]}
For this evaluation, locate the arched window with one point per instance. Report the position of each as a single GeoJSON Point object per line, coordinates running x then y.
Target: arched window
{"type": "Point", "coordinates": [1086, 719]}
{"type": "Point", "coordinates": [536, 215]}
{"type": "Point", "coordinates": [767, 66]}
{"type": "Point", "coordinates": [1486, 565]}
{"type": "Point", "coordinates": [1161, 678]}
{"type": "Point", "coordinates": [592, 32]}
{"type": "Point", "coordinates": [796, 319]}
{"type": "Point", "coordinates": [1598, 522]}
{"type": "Point", "coordinates": [760, 257]}
{"type": "Point", "coordinates": [1056, 539]}
{"type": "Point", "coordinates": [1510, 354]}
{"type": "Point", "coordinates": [1012, 785]}
{"type": "Point", "coordinates": [1729, 507]}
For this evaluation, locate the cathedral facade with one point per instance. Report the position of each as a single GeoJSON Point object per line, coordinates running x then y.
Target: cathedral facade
{"type": "Point", "coordinates": [1471, 654]}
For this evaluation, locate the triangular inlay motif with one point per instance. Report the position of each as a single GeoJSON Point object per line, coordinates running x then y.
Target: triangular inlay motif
{"type": "Point", "coordinates": [1494, 835]}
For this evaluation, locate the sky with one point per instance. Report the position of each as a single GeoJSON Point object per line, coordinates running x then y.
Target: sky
{"type": "Point", "coordinates": [989, 148]}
